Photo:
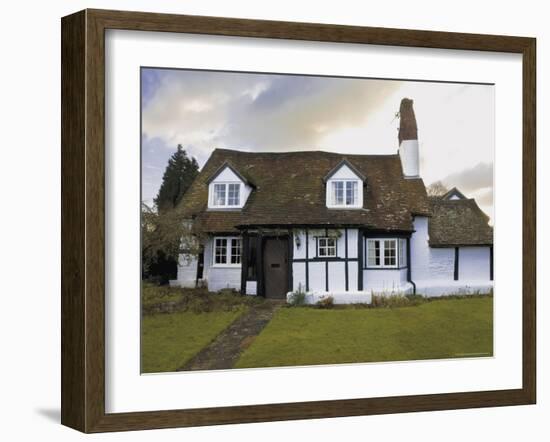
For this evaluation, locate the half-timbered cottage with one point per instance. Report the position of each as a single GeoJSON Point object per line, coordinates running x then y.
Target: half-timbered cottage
{"type": "Point", "coordinates": [347, 226]}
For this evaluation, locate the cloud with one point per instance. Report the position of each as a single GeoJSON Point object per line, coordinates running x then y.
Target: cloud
{"type": "Point", "coordinates": [471, 180]}
{"type": "Point", "coordinates": [475, 182]}
{"type": "Point", "coordinates": [255, 111]}
{"type": "Point", "coordinates": [203, 110]}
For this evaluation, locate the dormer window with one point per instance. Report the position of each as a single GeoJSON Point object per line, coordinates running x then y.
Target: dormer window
{"type": "Point", "coordinates": [345, 193]}
{"type": "Point", "coordinates": [228, 189]}
{"type": "Point", "coordinates": [227, 195]}
{"type": "Point", "coordinates": [344, 187]}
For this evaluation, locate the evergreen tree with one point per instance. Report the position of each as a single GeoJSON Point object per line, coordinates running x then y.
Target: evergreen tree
{"type": "Point", "coordinates": [161, 231]}
{"type": "Point", "coordinates": [178, 176]}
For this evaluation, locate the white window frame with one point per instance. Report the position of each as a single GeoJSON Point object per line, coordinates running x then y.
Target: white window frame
{"type": "Point", "coordinates": [327, 247]}
{"type": "Point", "coordinates": [228, 249]}
{"type": "Point", "coordinates": [400, 253]}
{"type": "Point", "coordinates": [226, 204]}
{"type": "Point", "coordinates": [331, 197]}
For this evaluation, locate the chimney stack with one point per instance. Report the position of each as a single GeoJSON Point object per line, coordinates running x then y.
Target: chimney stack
{"type": "Point", "coordinates": [408, 139]}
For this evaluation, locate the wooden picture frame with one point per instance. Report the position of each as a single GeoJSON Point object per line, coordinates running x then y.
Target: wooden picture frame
{"type": "Point", "coordinates": [83, 220]}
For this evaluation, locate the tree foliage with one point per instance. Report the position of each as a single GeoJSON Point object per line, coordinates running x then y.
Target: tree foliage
{"type": "Point", "coordinates": [437, 188]}
{"type": "Point", "coordinates": [178, 176]}
{"type": "Point", "coordinates": [165, 234]}
{"type": "Point", "coordinates": [165, 238]}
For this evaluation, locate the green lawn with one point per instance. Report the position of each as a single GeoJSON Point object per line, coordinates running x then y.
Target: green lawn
{"type": "Point", "coordinates": [438, 329]}
{"type": "Point", "coordinates": [170, 340]}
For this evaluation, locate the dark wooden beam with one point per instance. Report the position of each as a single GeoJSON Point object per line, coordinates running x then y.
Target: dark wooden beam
{"type": "Point", "coordinates": [290, 260]}
{"type": "Point", "coordinates": [307, 261]}
{"type": "Point", "coordinates": [360, 258]}
{"type": "Point", "coordinates": [491, 263]}
{"type": "Point", "coordinates": [346, 256]}
{"type": "Point", "coordinates": [457, 255]}
{"type": "Point", "coordinates": [244, 261]}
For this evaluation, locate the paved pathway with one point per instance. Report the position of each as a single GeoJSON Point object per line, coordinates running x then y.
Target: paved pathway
{"type": "Point", "coordinates": [225, 350]}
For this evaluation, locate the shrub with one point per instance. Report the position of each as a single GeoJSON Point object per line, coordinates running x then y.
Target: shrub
{"type": "Point", "coordinates": [326, 302]}
{"type": "Point", "coordinates": [298, 297]}
{"type": "Point", "coordinates": [166, 299]}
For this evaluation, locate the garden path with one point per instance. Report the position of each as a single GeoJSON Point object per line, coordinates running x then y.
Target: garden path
{"type": "Point", "coordinates": [225, 350]}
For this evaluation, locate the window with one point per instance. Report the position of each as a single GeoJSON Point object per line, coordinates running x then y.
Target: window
{"type": "Point", "coordinates": [387, 253]}
{"type": "Point", "coordinates": [227, 195]}
{"type": "Point", "coordinates": [326, 247]}
{"type": "Point", "coordinates": [227, 251]}
{"type": "Point", "coordinates": [345, 193]}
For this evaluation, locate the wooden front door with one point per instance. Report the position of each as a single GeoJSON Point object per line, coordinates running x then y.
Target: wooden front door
{"type": "Point", "coordinates": [276, 267]}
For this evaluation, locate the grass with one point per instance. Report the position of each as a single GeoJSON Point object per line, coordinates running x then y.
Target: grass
{"type": "Point", "coordinates": [170, 340]}
{"type": "Point", "coordinates": [308, 336]}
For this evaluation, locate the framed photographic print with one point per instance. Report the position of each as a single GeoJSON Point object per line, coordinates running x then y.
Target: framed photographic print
{"type": "Point", "coordinates": [270, 220]}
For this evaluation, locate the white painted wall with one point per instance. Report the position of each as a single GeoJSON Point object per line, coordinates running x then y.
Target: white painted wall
{"type": "Point", "coordinates": [385, 281]}
{"type": "Point", "coordinates": [474, 263]}
{"type": "Point", "coordinates": [187, 272]}
{"type": "Point", "coordinates": [218, 278]}
{"type": "Point", "coordinates": [336, 276]}
{"type": "Point", "coordinates": [420, 250]}
{"type": "Point", "coordinates": [408, 152]}
{"type": "Point", "coordinates": [432, 269]}
{"type": "Point", "coordinates": [317, 270]}
{"type": "Point", "coordinates": [441, 265]}
{"type": "Point", "coordinates": [228, 176]}
{"type": "Point", "coordinates": [299, 276]}
{"type": "Point", "coordinates": [353, 270]}
{"type": "Point", "coordinates": [252, 288]}
{"type": "Point", "coordinates": [300, 252]}
{"type": "Point", "coordinates": [338, 297]}
{"type": "Point", "coordinates": [317, 277]}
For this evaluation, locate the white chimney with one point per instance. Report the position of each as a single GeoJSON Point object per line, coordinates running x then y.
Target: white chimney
{"type": "Point", "coordinates": [408, 140]}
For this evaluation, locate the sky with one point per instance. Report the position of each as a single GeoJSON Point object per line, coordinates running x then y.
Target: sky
{"type": "Point", "coordinates": [204, 110]}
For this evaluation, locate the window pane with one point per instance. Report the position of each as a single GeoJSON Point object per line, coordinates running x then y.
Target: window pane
{"type": "Point", "coordinates": [219, 194]}
{"type": "Point", "coordinates": [373, 253]}
{"type": "Point", "coordinates": [235, 251]}
{"type": "Point", "coordinates": [338, 193]}
{"type": "Point", "coordinates": [233, 191]}
{"type": "Point", "coordinates": [220, 252]}
{"type": "Point", "coordinates": [331, 247]}
{"type": "Point", "coordinates": [390, 252]}
{"type": "Point", "coordinates": [351, 193]}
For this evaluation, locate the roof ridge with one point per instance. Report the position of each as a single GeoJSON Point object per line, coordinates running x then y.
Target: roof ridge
{"type": "Point", "coordinates": [293, 152]}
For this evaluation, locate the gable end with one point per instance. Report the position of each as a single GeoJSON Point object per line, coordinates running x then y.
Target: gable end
{"type": "Point", "coordinates": [350, 166]}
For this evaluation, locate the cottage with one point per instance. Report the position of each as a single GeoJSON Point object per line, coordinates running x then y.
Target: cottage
{"type": "Point", "coordinates": [332, 224]}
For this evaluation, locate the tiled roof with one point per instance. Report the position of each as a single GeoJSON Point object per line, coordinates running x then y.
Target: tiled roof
{"type": "Point", "coordinates": [289, 190]}
{"type": "Point", "coordinates": [458, 222]}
